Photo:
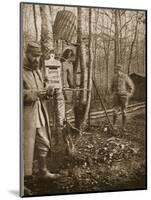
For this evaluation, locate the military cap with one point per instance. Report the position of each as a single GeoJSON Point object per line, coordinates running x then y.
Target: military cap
{"type": "Point", "coordinates": [34, 48]}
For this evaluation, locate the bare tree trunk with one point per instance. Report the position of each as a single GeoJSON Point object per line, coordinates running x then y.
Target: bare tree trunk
{"type": "Point", "coordinates": [82, 56]}
{"type": "Point", "coordinates": [35, 21]}
{"type": "Point", "coordinates": [106, 45]}
{"type": "Point", "coordinates": [75, 94]}
{"type": "Point", "coordinates": [120, 39]}
{"type": "Point", "coordinates": [125, 44]}
{"type": "Point", "coordinates": [29, 24]}
{"type": "Point", "coordinates": [46, 33]}
{"type": "Point", "coordinates": [46, 29]}
{"type": "Point", "coordinates": [95, 49]}
{"type": "Point", "coordinates": [116, 53]}
{"type": "Point", "coordinates": [95, 42]}
{"type": "Point", "coordinates": [80, 103]}
{"type": "Point", "coordinates": [86, 116]}
{"type": "Point", "coordinates": [108, 57]}
{"type": "Point", "coordinates": [137, 55]}
{"type": "Point", "coordinates": [132, 45]}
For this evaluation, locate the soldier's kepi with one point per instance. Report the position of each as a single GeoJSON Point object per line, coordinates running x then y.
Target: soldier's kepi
{"type": "Point", "coordinates": [36, 121]}
{"type": "Point", "coordinates": [53, 73]}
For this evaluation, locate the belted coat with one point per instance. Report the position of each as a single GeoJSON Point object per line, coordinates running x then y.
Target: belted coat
{"type": "Point", "coordinates": [34, 113]}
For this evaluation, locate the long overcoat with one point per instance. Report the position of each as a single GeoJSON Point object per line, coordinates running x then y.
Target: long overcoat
{"type": "Point", "coordinates": [32, 82]}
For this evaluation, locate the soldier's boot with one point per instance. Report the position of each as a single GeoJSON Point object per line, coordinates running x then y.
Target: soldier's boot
{"type": "Point", "coordinates": [43, 171]}
{"type": "Point", "coordinates": [124, 118]}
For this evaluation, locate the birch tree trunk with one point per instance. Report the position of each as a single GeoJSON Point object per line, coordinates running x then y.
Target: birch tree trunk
{"type": "Point", "coordinates": [81, 98]}
{"type": "Point", "coordinates": [82, 58]}
{"type": "Point", "coordinates": [90, 65]}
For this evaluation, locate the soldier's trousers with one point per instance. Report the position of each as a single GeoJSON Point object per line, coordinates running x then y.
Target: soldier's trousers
{"type": "Point", "coordinates": [120, 103]}
{"type": "Point", "coordinates": [32, 137]}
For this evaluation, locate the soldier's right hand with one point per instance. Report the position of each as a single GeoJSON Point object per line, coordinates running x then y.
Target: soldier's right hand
{"type": "Point", "coordinates": [50, 91]}
{"type": "Point", "coordinates": [41, 94]}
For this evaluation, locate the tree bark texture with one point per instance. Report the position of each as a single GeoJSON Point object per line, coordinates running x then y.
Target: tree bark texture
{"type": "Point", "coordinates": [90, 65]}
{"type": "Point", "coordinates": [46, 29]}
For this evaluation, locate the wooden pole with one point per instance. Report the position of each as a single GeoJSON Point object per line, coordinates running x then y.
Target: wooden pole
{"type": "Point", "coordinates": [102, 103]}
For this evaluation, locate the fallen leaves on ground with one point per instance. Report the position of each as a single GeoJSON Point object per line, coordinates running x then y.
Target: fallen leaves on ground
{"type": "Point", "coordinates": [103, 163]}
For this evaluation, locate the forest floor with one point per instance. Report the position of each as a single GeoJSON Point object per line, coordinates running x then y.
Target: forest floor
{"type": "Point", "coordinates": [102, 162]}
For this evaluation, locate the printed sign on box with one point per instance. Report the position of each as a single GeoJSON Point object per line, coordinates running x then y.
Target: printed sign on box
{"type": "Point", "coordinates": [53, 73]}
{"type": "Point", "coordinates": [54, 77]}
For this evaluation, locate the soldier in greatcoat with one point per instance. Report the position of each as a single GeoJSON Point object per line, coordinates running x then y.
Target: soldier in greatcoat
{"type": "Point", "coordinates": [35, 118]}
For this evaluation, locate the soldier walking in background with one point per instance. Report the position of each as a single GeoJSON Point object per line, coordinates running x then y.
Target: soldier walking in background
{"type": "Point", "coordinates": [122, 89]}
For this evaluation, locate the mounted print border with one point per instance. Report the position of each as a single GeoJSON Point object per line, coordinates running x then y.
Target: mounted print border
{"type": "Point", "coordinates": [83, 99]}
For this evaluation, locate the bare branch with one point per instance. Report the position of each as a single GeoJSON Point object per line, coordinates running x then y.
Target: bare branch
{"type": "Point", "coordinates": [126, 23]}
